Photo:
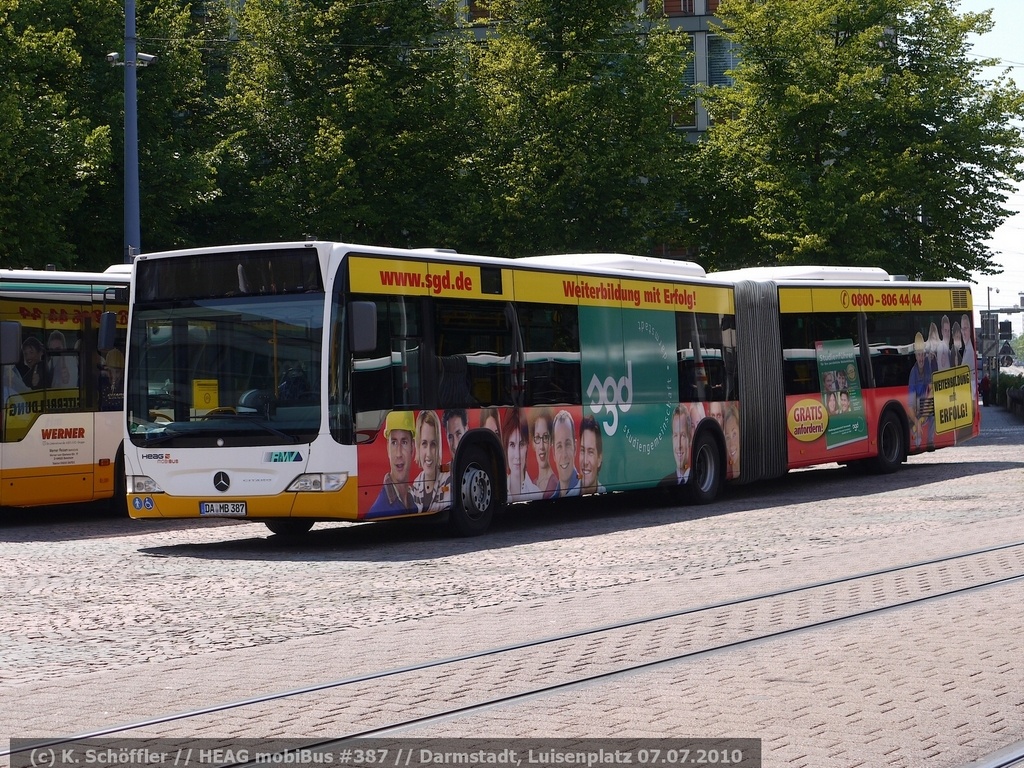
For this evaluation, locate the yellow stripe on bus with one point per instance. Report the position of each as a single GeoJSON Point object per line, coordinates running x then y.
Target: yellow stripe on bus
{"type": "Point", "coordinates": [893, 297]}
{"type": "Point", "coordinates": [596, 291]}
{"type": "Point", "coordinates": [59, 316]}
{"type": "Point", "coordinates": [339, 505]}
{"type": "Point", "coordinates": [404, 277]}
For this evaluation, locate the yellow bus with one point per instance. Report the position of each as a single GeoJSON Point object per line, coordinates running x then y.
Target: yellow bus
{"type": "Point", "coordinates": [61, 426]}
{"type": "Point", "coordinates": [296, 382]}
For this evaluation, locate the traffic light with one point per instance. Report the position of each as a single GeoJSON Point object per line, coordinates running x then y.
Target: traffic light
{"type": "Point", "coordinates": [988, 327]}
{"type": "Point", "coordinates": [1005, 330]}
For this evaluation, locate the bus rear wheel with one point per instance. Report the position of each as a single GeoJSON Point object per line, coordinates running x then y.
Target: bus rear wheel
{"type": "Point", "coordinates": [289, 526]}
{"type": "Point", "coordinates": [892, 444]}
{"type": "Point", "coordinates": [476, 495]}
{"type": "Point", "coordinates": [705, 471]}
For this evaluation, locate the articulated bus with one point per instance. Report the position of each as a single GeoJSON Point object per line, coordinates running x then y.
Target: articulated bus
{"type": "Point", "coordinates": [61, 426]}
{"type": "Point", "coordinates": [301, 382]}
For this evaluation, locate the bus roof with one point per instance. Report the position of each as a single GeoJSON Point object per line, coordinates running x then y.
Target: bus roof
{"type": "Point", "coordinates": [120, 275]}
{"type": "Point", "coordinates": [799, 272]}
{"type": "Point", "coordinates": [597, 262]}
{"type": "Point", "coordinates": [621, 261]}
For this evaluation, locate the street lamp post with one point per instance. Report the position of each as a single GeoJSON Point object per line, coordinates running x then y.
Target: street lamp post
{"type": "Point", "coordinates": [132, 227]}
{"type": "Point", "coordinates": [132, 61]}
{"type": "Point", "coordinates": [993, 329]}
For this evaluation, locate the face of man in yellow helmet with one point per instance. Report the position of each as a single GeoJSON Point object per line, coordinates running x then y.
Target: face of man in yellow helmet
{"type": "Point", "coordinates": [400, 450]}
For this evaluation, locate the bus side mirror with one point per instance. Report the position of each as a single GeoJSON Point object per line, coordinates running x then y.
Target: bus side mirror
{"type": "Point", "coordinates": [362, 326]}
{"type": "Point", "coordinates": [108, 332]}
{"type": "Point", "coordinates": [10, 342]}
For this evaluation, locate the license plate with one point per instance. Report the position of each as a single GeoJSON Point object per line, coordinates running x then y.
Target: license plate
{"type": "Point", "coordinates": [223, 508]}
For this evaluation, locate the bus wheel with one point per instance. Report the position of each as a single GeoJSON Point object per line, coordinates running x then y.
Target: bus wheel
{"type": "Point", "coordinates": [289, 526]}
{"type": "Point", "coordinates": [892, 448]}
{"type": "Point", "coordinates": [705, 471]}
{"type": "Point", "coordinates": [475, 496]}
{"type": "Point", "coordinates": [118, 504]}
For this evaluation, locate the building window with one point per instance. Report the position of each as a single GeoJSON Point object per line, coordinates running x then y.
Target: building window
{"type": "Point", "coordinates": [678, 7]}
{"type": "Point", "coordinates": [723, 56]}
{"type": "Point", "coordinates": [477, 11]}
{"type": "Point", "coordinates": [686, 115]}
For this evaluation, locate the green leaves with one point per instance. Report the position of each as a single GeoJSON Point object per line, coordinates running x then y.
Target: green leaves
{"type": "Point", "coordinates": [858, 133]}
{"type": "Point", "coordinates": [62, 129]}
{"type": "Point", "coordinates": [576, 151]}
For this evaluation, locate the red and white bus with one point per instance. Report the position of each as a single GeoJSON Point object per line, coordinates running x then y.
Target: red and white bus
{"type": "Point", "coordinates": [61, 425]}
{"type": "Point", "coordinates": [300, 382]}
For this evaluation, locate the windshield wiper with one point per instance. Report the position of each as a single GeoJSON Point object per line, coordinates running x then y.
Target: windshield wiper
{"type": "Point", "coordinates": [256, 421]}
{"type": "Point", "coordinates": [163, 436]}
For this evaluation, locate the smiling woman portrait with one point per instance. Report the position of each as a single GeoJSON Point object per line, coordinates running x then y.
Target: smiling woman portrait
{"type": "Point", "coordinates": [431, 490]}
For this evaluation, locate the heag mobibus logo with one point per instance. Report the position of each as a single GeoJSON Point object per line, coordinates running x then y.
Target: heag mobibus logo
{"type": "Point", "coordinates": [161, 458]}
{"type": "Point", "coordinates": [611, 396]}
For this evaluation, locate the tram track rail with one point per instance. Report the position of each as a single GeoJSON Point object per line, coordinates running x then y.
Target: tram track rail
{"type": "Point", "coordinates": [551, 664]}
{"type": "Point", "coordinates": [1008, 757]}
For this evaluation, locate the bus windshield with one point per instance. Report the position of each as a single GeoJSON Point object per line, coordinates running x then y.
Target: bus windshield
{"type": "Point", "coordinates": [226, 371]}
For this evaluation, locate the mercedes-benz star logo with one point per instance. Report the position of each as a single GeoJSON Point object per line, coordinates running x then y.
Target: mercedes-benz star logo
{"type": "Point", "coordinates": [221, 481]}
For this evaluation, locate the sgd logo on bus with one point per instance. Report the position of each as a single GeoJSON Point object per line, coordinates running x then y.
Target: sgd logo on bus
{"type": "Point", "coordinates": [611, 396]}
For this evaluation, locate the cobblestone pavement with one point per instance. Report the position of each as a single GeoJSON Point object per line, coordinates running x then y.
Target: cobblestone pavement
{"type": "Point", "coordinates": [116, 621]}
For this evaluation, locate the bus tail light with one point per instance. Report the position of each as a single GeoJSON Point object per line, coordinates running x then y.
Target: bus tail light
{"type": "Point", "coordinates": [327, 482]}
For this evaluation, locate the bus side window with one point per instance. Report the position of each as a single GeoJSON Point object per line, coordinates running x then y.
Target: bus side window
{"type": "Point", "coordinates": [389, 375]}
{"type": "Point", "coordinates": [453, 385]}
{"type": "Point", "coordinates": [112, 381]}
{"type": "Point", "coordinates": [705, 346]}
{"type": "Point", "coordinates": [62, 361]}
{"type": "Point", "coordinates": [551, 342]}
{"type": "Point", "coordinates": [800, 376]}
{"type": "Point", "coordinates": [892, 369]}
{"type": "Point", "coordinates": [473, 342]}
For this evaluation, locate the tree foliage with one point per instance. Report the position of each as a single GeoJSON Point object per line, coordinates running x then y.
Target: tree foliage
{"type": "Point", "coordinates": [341, 120]}
{"type": "Point", "coordinates": [575, 151]}
{"type": "Point", "coordinates": [61, 130]}
{"type": "Point", "coordinates": [178, 99]}
{"type": "Point", "coordinates": [50, 150]}
{"type": "Point", "coordinates": [857, 133]}
{"type": "Point", "coordinates": [388, 123]}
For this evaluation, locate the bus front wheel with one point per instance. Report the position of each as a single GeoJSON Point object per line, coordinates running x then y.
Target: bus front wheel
{"type": "Point", "coordinates": [118, 504]}
{"type": "Point", "coordinates": [705, 471]}
{"type": "Point", "coordinates": [289, 526]}
{"type": "Point", "coordinates": [475, 495]}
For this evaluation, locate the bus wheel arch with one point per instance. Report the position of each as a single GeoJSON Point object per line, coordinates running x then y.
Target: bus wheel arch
{"type": "Point", "coordinates": [707, 468]}
{"type": "Point", "coordinates": [893, 439]}
{"type": "Point", "coordinates": [476, 491]}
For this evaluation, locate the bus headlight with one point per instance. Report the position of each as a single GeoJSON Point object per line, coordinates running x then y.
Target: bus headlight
{"type": "Point", "coordinates": [321, 481]}
{"type": "Point", "coordinates": [142, 484]}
